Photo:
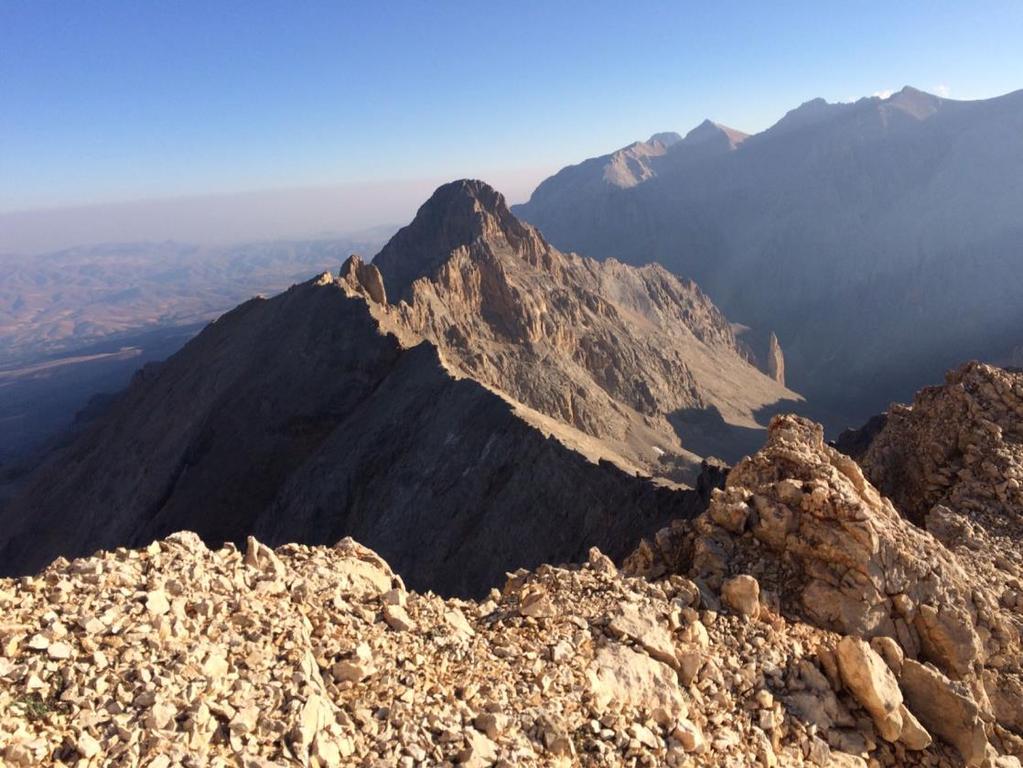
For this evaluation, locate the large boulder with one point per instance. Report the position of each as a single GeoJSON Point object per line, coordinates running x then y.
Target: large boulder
{"type": "Point", "coordinates": [872, 684]}
{"type": "Point", "coordinates": [953, 715]}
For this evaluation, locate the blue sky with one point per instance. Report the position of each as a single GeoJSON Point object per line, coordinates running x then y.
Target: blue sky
{"type": "Point", "coordinates": [117, 101]}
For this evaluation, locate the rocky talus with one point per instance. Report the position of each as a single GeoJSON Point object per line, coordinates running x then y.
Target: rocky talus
{"type": "Point", "coordinates": [318, 656]}
{"type": "Point", "coordinates": [931, 637]}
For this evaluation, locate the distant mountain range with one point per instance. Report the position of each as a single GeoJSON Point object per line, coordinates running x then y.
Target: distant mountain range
{"type": "Point", "coordinates": [881, 240]}
{"type": "Point", "coordinates": [472, 380]}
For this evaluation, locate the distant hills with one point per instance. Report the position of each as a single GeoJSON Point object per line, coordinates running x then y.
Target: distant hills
{"type": "Point", "coordinates": [881, 240]}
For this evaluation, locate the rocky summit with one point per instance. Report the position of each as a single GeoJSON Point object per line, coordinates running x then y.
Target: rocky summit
{"type": "Point", "coordinates": [800, 528]}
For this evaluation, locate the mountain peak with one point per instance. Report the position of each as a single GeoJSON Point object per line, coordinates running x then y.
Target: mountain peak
{"type": "Point", "coordinates": [457, 214]}
{"type": "Point", "coordinates": [466, 192]}
{"type": "Point", "coordinates": [914, 102]}
{"type": "Point", "coordinates": [665, 138]}
{"type": "Point", "coordinates": [708, 131]}
{"type": "Point", "coordinates": [808, 113]}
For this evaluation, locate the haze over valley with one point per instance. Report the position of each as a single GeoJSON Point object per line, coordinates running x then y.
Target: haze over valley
{"type": "Point", "coordinates": [78, 322]}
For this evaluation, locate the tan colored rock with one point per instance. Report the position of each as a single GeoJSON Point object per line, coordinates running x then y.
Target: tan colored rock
{"type": "Point", "coordinates": [689, 735]}
{"type": "Point", "coordinates": [397, 618]}
{"type": "Point", "coordinates": [646, 632]}
{"type": "Point", "coordinates": [535, 602]}
{"type": "Point", "coordinates": [742, 594]}
{"type": "Point", "coordinates": [845, 760]}
{"type": "Point", "coordinates": [157, 603]}
{"type": "Point", "coordinates": [948, 638]}
{"type": "Point", "coordinates": [914, 736]}
{"type": "Point", "coordinates": [87, 746]}
{"type": "Point", "coordinates": [689, 665]}
{"type": "Point", "coordinates": [351, 671]}
{"type": "Point", "coordinates": [59, 651]}
{"type": "Point", "coordinates": [868, 678]}
{"type": "Point", "coordinates": [364, 278]}
{"type": "Point", "coordinates": [889, 650]}
{"type": "Point", "coordinates": [479, 752]}
{"type": "Point", "coordinates": [215, 666]}
{"type": "Point", "coordinates": [621, 676]}
{"type": "Point", "coordinates": [457, 621]}
{"type": "Point", "coordinates": [262, 558]}
{"type": "Point", "coordinates": [493, 724]}
{"type": "Point", "coordinates": [947, 713]}
{"type": "Point", "coordinates": [600, 562]}
{"type": "Point", "coordinates": [245, 720]}
{"type": "Point", "coordinates": [361, 571]}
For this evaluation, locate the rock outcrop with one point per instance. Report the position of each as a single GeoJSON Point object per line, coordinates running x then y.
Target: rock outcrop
{"type": "Point", "coordinates": [828, 549]}
{"type": "Point", "coordinates": [959, 445]}
{"type": "Point", "coordinates": [319, 656]}
{"type": "Point", "coordinates": [763, 350]}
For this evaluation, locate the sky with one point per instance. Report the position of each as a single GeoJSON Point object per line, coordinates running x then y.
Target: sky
{"type": "Point", "coordinates": [336, 116]}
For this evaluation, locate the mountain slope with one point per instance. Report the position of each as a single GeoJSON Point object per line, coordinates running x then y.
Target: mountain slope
{"type": "Point", "coordinates": [296, 417]}
{"type": "Point", "coordinates": [879, 240]}
{"type": "Point", "coordinates": [636, 358]}
{"type": "Point", "coordinates": [329, 411]}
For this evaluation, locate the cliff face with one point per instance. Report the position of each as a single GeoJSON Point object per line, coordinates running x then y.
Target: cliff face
{"type": "Point", "coordinates": [507, 408]}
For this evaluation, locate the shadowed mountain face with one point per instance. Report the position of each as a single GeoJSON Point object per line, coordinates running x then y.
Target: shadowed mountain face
{"type": "Point", "coordinates": [502, 413]}
{"type": "Point", "coordinates": [880, 240]}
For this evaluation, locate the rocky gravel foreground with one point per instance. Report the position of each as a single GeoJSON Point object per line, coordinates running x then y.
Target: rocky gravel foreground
{"type": "Point", "coordinates": [179, 655]}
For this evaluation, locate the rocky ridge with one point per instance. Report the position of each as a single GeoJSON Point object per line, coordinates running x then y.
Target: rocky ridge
{"type": "Point", "coordinates": [801, 620]}
{"type": "Point", "coordinates": [468, 377]}
{"type": "Point", "coordinates": [823, 546]}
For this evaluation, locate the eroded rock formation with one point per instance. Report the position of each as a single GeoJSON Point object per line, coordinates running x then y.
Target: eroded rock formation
{"type": "Point", "coordinates": [828, 549]}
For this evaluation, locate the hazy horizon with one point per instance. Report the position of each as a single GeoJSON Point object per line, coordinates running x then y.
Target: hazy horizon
{"type": "Point", "coordinates": [298, 213]}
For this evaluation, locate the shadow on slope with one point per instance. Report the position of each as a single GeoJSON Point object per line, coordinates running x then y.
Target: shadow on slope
{"type": "Point", "coordinates": [704, 431]}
